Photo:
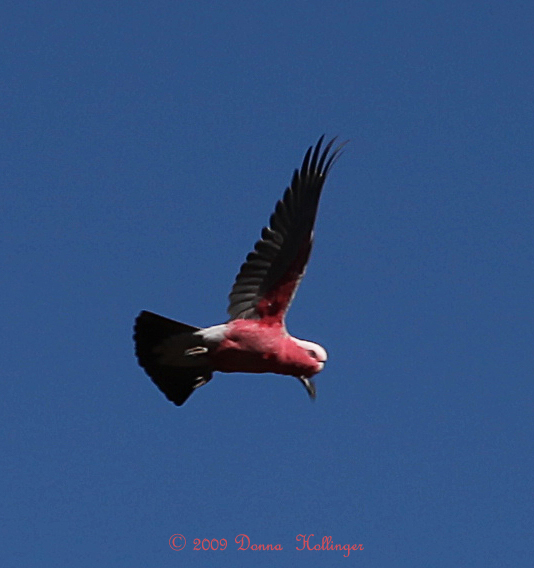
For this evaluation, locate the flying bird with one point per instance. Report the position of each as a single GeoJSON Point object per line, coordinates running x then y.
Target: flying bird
{"type": "Point", "coordinates": [180, 358]}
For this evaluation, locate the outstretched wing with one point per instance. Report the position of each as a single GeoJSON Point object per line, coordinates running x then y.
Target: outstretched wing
{"type": "Point", "coordinates": [269, 278]}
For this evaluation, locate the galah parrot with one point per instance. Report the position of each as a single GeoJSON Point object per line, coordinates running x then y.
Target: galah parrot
{"type": "Point", "coordinates": [180, 358]}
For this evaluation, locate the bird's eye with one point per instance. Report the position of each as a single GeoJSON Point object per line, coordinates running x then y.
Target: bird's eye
{"type": "Point", "coordinates": [312, 353]}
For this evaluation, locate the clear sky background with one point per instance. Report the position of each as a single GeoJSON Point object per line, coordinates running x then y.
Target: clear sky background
{"type": "Point", "coordinates": [143, 147]}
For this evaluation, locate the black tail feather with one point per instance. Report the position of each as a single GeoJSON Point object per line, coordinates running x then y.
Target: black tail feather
{"type": "Point", "coordinates": [159, 345]}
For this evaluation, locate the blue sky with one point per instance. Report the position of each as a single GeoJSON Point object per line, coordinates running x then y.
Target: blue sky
{"type": "Point", "coordinates": [143, 147]}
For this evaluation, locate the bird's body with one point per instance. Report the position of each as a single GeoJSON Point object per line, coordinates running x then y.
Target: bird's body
{"type": "Point", "coordinates": [180, 358]}
{"type": "Point", "coordinates": [252, 346]}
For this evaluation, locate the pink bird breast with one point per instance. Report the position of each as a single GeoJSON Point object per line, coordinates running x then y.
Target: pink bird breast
{"type": "Point", "coordinates": [252, 346]}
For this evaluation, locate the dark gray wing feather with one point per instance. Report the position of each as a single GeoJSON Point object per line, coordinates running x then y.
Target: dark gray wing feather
{"type": "Point", "coordinates": [271, 273]}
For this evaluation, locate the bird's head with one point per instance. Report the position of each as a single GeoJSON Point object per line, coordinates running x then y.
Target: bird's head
{"type": "Point", "coordinates": [314, 354]}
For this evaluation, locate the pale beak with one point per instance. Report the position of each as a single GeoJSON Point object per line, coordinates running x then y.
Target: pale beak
{"type": "Point", "coordinates": [309, 385]}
